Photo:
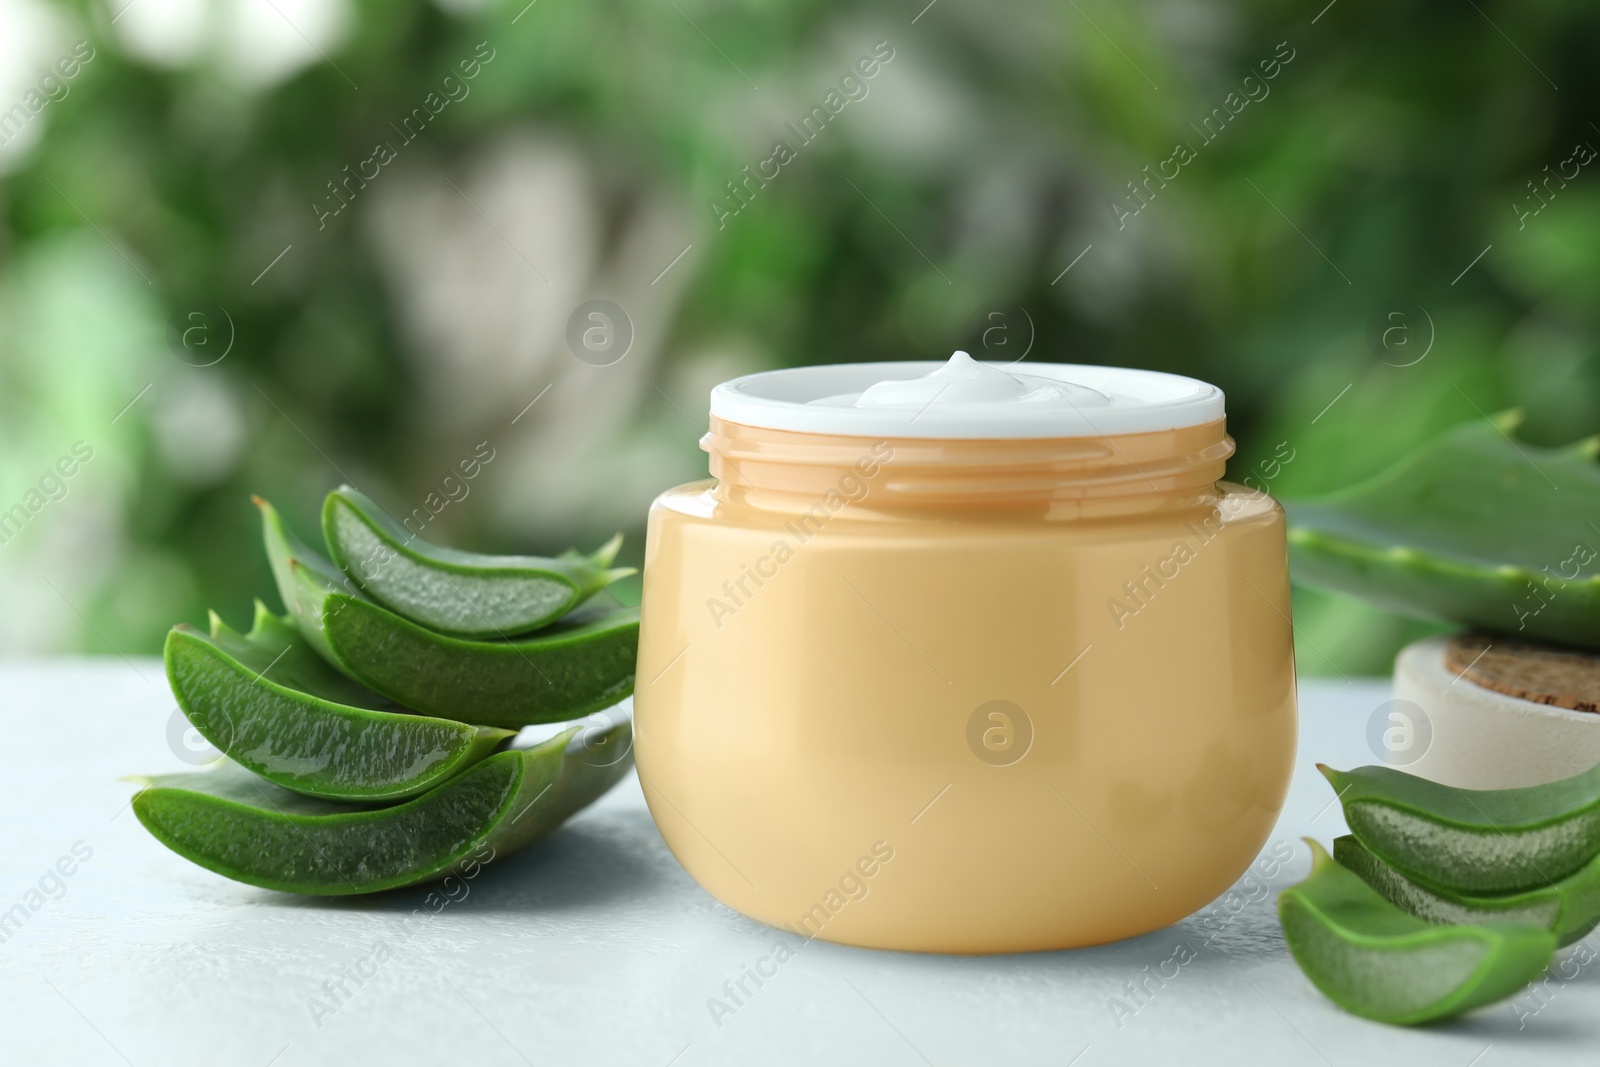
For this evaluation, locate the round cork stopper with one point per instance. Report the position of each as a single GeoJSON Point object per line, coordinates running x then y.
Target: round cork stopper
{"type": "Point", "coordinates": [1564, 678]}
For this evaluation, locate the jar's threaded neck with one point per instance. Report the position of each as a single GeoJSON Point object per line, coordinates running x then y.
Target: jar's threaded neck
{"type": "Point", "coordinates": [1079, 475]}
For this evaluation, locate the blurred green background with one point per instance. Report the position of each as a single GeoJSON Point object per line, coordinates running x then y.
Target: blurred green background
{"type": "Point", "coordinates": [171, 203]}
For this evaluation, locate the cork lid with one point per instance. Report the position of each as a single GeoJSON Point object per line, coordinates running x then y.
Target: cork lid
{"type": "Point", "coordinates": [1561, 677]}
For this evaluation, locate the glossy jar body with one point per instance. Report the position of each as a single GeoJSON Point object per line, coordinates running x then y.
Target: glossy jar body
{"type": "Point", "coordinates": [965, 696]}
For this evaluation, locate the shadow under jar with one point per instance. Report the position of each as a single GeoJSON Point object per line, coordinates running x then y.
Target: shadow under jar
{"type": "Point", "coordinates": [955, 658]}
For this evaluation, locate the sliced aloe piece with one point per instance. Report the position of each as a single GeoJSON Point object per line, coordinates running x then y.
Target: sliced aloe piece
{"type": "Point", "coordinates": [275, 707]}
{"type": "Point", "coordinates": [582, 664]}
{"type": "Point", "coordinates": [1569, 909]}
{"type": "Point", "coordinates": [1474, 528]}
{"type": "Point", "coordinates": [1472, 840]}
{"type": "Point", "coordinates": [461, 593]}
{"type": "Point", "coordinates": [229, 821]}
{"type": "Point", "coordinates": [304, 579]}
{"type": "Point", "coordinates": [1374, 960]}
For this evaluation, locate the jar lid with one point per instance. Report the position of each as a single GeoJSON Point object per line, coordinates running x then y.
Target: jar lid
{"type": "Point", "coordinates": [964, 398]}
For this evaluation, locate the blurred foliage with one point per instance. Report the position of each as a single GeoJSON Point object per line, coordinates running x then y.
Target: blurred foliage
{"type": "Point", "coordinates": [1395, 146]}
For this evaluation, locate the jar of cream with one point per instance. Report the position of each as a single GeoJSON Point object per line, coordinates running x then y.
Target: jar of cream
{"type": "Point", "coordinates": [965, 657]}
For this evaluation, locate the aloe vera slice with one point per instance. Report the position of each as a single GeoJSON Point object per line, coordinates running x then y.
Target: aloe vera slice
{"type": "Point", "coordinates": [1374, 960]}
{"type": "Point", "coordinates": [1472, 840]}
{"type": "Point", "coordinates": [461, 593]}
{"type": "Point", "coordinates": [231, 822]}
{"type": "Point", "coordinates": [583, 663]}
{"type": "Point", "coordinates": [1570, 908]}
{"type": "Point", "coordinates": [276, 708]}
{"type": "Point", "coordinates": [1474, 528]}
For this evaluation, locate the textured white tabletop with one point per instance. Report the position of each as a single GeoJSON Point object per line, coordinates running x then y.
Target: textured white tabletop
{"type": "Point", "coordinates": [596, 948]}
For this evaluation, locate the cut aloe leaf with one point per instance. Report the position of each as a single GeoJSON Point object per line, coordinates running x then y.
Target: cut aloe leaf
{"type": "Point", "coordinates": [582, 664]}
{"type": "Point", "coordinates": [1474, 528]}
{"type": "Point", "coordinates": [304, 579]}
{"type": "Point", "coordinates": [461, 593]}
{"type": "Point", "coordinates": [1569, 909]}
{"type": "Point", "coordinates": [1375, 961]}
{"type": "Point", "coordinates": [229, 821]}
{"type": "Point", "coordinates": [275, 707]}
{"type": "Point", "coordinates": [1472, 840]}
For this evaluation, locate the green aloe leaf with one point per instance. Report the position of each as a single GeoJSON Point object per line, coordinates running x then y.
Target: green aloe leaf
{"type": "Point", "coordinates": [1472, 840]}
{"type": "Point", "coordinates": [1570, 908]}
{"type": "Point", "coordinates": [231, 822]}
{"type": "Point", "coordinates": [1475, 528]}
{"type": "Point", "coordinates": [275, 707]}
{"type": "Point", "coordinates": [461, 593]}
{"type": "Point", "coordinates": [1374, 960]}
{"type": "Point", "coordinates": [582, 664]}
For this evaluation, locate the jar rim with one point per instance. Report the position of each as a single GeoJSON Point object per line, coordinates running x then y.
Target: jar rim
{"type": "Point", "coordinates": [1139, 401]}
{"type": "Point", "coordinates": [1156, 469]}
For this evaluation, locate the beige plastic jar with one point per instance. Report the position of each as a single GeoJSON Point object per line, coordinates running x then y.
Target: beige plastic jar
{"type": "Point", "coordinates": [965, 658]}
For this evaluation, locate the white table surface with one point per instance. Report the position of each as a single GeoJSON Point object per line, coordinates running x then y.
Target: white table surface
{"type": "Point", "coordinates": [596, 948]}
